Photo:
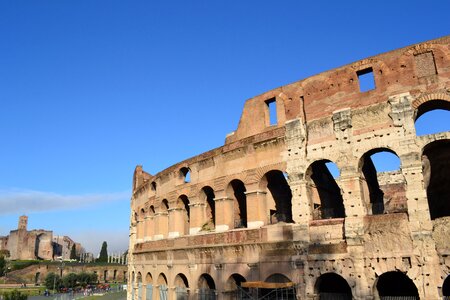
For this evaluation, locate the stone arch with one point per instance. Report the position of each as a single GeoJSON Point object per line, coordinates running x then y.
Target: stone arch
{"type": "Point", "coordinates": [277, 278]}
{"type": "Point", "coordinates": [446, 286]}
{"type": "Point", "coordinates": [105, 275]}
{"type": "Point", "coordinates": [207, 197]}
{"type": "Point", "coordinates": [139, 285]}
{"type": "Point", "coordinates": [323, 191]}
{"type": "Point", "coordinates": [181, 287]}
{"type": "Point", "coordinates": [436, 166]}
{"type": "Point", "coordinates": [206, 287]}
{"type": "Point", "coordinates": [278, 196]}
{"type": "Point", "coordinates": [164, 206]}
{"type": "Point", "coordinates": [330, 285]}
{"type": "Point", "coordinates": [162, 286]}
{"type": "Point", "coordinates": [429, 101]}
{"type": "Point", "coordinates": [37, 278]}
{"type": "Point", "coordinates": [375, 191]}
{"type": "Point", "coordinates": [185, 174]}
{"type": "Point", "coordinates": [232, 284]}
{"type": "Point", "coordinates": [183, 205]}
{"type": "Point", "coordinates": [236, 190]}
{"type": "Point", "coordinates": [395, 283]}
{"type": "Point", "coordinates": [148, 286]}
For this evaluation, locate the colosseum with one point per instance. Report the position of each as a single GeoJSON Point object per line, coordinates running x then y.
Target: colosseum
{"type": "Point", "coordinates": [292, 205]}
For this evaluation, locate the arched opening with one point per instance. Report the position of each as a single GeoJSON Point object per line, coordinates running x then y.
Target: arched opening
{"type": "Point", "coordinates": [183, 204]}
{"type": "Point", "coordinates": [141, 224]}
{"type": "Point", "coordinates": [384, 188]}
{"type": "Point", "coordinates": [181, 287]}
{"type": "Point", "coordinates": [324, 192]}
{"type": "Point", "coordinates": [395, 283]}
{"type": "Point", "coordinates": [125, 278]}
{"type": "Point", "coordinates": [236, 191]}
{"type": "Point", "coordinates": [37, 278]}
{"type": "Point", "coordinates": [185, 174]}
{"type": "Point", "coordinates": [433, 117]}
{"type": "Point", "coordinates": [114, 275]}
{"type": "Point", "coordinates": [333, 286]}
{"type": "Point", "coordinates": [206, 287]}
{"type": "Point", "coordinates": [153, 186]}
{"type": "Point", "coordinates": [105, 275]}
{"type": "Point", "coordinates": [436, 177]}
{"type": "Point", "coordinates": [446, 287]}
{"type": "Point", "coordinates": [139, 287]}
{"type": "Point", "coordinates": [162, 286]}
{"type": "Point", "coordinates": [233, 286]}
{"type": "Point", "coordinates": [148, 286]}
{"type": "Point", "coordinates": [163, 219]}
{"type": "Point", "coordinates": [278, 196]}
{"type": "Point", "coordinates": [207, 196]}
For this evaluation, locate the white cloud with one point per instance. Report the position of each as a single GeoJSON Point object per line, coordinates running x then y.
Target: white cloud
{"type": "Point", "coordinates": [19, 201]}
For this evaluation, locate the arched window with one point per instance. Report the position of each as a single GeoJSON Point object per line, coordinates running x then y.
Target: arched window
{"type": "Point", "coordinates": [323, 190]}
{"type": "Point", "coordinates": [181, 287]}
{"type": "Point", "coordinates": [206, 287]}
{"type": "Point", "coordinates": [333, 286]}
{"type": "Point", "coordinates": [236, 191]}
{"type": "Point", "coordinates": [395, 283]}
{"type": "Point", "coordinates": [183, 203]}
{"type": "Point", "coordinates": [233, 285]}
{"type": "Point", "coordinates": [162, 286]}
{"type": "Point", "coordinates": [139, 282]}
{"type": "Point", "coordinates": [433, 117]}
{"type": "Point", "coordinates": [278, 196]}
{"type": "Point", "coordinates": [148, 287]}
{"type": "Point", "coordinates": [207, 196]}
{"type": "Point", "coordinates": [384, 187]}
{"type": "Point", "coordinates": [436, 174]}
{"type": "Point", "coordinates": [185, 174]}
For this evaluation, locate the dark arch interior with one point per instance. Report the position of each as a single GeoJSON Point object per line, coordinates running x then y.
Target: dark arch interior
{"type": "Point", "coordinates": [206, 282]}
{"type": "Point", "coordinates": [182, 281]}
{"type": "Point", "coordinates": [277, 278]}
{"type": "Point", "coordinates": [209, 193]}
{"type": "Point", "coordinates": [185, 202]}
{"type": "Point", "coordinates": [396, 284]}
{"type": "Point", "coordinates": [282, 195]}
{"type": "Point", "coordinates": [331, 202]}
{"type": "Point", "coordinates": [331, 283]}
{"type": "Point", "coordinates": [446, 287]}
{"type": "Point", "coordinates": [436, 173]}
{"type": "Point", "coordinates": [240, 215]}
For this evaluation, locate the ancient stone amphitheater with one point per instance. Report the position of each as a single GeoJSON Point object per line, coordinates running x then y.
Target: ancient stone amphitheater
{"type": "Point", "coordinates": [266, 217]}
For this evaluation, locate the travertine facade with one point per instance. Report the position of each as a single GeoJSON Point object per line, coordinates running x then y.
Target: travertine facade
{"type": "Point", "coordinates": [265, 208]}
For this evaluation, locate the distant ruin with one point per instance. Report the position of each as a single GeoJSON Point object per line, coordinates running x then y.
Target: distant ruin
{"type": "Point", "coordinates": [23, 244]}
{"type": "Point", "coordinates": [264, 213]}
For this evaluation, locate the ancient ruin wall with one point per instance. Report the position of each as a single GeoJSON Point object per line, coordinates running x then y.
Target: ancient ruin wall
{"type": "Point", "coordinates": [264, 203]}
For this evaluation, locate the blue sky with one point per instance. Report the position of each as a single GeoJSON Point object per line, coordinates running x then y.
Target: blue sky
{"type": "Point", "coordinates": [90, 89]}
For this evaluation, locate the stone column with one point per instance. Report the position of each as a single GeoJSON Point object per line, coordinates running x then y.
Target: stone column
{"type": "Point", "coordinates": [257, 213]}
{"type": "Point", "coordinates": [197, 216]}
{"type": "Point", "coordinates": [224, 213]}
{"type": "Point", "coordinates": [162, 225]}
{"type": "Point", "coordinates": [149, 228]}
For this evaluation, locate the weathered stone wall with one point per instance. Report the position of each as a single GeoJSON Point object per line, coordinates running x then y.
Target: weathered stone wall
{"type": "Point", "coordinates": [264, 206]}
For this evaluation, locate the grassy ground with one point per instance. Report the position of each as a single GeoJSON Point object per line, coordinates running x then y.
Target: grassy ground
{"type": "Point", "coordinates": [32, 291]}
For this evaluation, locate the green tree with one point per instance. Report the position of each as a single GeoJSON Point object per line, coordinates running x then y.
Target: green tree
{"type": "Point", "coordinates": [52, 280]}
{"type": "Point", "coordinates": [2, 265]}
{"type": "Point", "coordinates": [87, 278]}
{"type": "Point", "coordinates": [73, 252]}
{"type": "Point", "coordinates": [103, 257]}
{"type": "Point", "coordinates": [14, 295]}
{"type": "Point", "coordinates": [70, 280]}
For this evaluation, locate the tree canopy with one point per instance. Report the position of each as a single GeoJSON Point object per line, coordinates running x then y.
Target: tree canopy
{"type": "Point", "coordinates": [103, 257]}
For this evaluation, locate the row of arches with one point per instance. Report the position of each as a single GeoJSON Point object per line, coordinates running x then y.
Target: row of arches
{"type": "Point", "coordinates": [275, 196]}
{"type": "Point", "coordinates": [327, 286]}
